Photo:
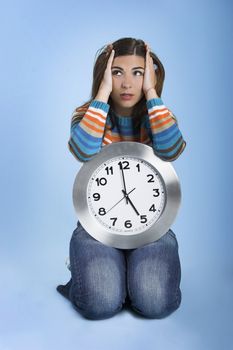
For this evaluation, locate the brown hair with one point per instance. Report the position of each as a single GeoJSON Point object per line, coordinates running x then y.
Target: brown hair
{"type": "Point", "coordinates": [124, 46]}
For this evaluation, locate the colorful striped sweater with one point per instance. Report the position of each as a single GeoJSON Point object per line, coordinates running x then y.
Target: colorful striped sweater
{"type": "Point", "coordinates": [91, 130]}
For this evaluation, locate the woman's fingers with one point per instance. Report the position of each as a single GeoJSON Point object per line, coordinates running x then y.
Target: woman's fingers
{"type": "Point", "coordinates": [149, 76]}
{"type": "Point", "coordinates": [149, 60]}
{"type": "Point", "coordinates": [111, 58]}
{"type": "Point", "coordinates": [106, 83]}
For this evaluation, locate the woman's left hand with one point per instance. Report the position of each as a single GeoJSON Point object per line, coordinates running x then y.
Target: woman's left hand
{"type": "Point", "coordinates": [149, 80]}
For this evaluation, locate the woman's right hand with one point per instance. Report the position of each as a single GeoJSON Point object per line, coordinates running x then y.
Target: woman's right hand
{"type": "Point", "coordinates": [106, 83]}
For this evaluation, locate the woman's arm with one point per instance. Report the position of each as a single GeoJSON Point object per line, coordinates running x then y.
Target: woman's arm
{"type": "Point", "coordinates": [87, 131]}
{"type": "Point", "coordinates": [167, 140]}
{"type": "Point", "coordinates": [87, 126]}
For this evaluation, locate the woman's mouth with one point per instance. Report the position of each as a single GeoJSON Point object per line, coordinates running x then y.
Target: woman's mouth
{"type": "Point", "coordinates": [126, 96]}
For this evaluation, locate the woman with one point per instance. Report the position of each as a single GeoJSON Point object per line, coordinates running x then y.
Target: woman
{"type": "Point", "coordinates": [126, 105]}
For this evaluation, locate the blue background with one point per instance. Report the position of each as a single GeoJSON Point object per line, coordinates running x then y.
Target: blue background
{"type": "Point", "coordinates": [46, 61]}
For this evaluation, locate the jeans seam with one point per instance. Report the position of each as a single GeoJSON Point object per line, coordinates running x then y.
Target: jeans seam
{"type": "Point", "coordinates": [127, 280]}
{"type": "Point", "coordinates": [77, 273]}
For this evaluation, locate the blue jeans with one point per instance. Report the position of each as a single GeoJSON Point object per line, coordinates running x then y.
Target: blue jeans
{"type": "Point", "coordinates": [104, 279]}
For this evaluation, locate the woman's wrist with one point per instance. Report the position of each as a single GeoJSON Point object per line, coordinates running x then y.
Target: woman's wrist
{"type": "Point", "coordinates": [151, 93]}
{"type": "Point", "coordinates": [102, 95]}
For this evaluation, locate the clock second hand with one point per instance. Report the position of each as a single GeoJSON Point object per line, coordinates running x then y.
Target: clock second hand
{"type": "Point", "coordinates": [120, 200]}
{"type": "Point", "coordinates": [127, 196]}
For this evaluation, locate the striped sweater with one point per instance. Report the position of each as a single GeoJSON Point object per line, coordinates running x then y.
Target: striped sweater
{"type": "Point", "coordinates": [91, 130]}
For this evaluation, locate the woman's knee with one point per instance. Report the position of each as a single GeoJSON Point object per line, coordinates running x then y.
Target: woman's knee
{"type": "Point", "coordinates": [96, 303]}
{"type": "Point", "coordinates": [99, 290]}
{"type": "Point", "coordinates": [156, 305]}
{"type": "Point", "coordinates": [154, 290]}
{"type": "Point", "coordinates": [154, 276]}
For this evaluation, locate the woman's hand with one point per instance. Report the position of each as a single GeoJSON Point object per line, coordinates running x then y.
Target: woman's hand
{"type": "Point", "coordinates": [149, 80]}
{"type": "Point", "coordinates": [106, 84]}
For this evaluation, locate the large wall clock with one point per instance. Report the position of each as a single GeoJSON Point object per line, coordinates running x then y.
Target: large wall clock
{"type": "Point", "coordinates": [125, 196]}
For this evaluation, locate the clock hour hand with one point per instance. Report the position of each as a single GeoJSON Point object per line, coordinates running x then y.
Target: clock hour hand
{"type": "Point", "coordinates": [127, 196]}
{"type": "Point", "coordinates": [120, 200]}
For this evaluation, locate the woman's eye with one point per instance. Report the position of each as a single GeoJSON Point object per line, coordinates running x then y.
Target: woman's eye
{"type": "Point", "coordinates": [138, 71]}
{"type": "Point", "coordinates": [114, 72]}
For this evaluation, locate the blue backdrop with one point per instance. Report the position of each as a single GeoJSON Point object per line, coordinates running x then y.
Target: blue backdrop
{"type": "Point", "coordinates": [47, 56]}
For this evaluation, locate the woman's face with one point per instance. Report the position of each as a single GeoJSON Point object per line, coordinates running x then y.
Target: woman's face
{"type": "Point", "coordinates": [127, 78]}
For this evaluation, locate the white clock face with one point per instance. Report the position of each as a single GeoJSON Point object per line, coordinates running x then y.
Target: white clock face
{"type": "Point", "coordinates": [126, 194]}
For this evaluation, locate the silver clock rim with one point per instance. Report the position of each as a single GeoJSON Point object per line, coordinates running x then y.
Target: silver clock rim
{"type": "Point", "coordinates": [124, 240]}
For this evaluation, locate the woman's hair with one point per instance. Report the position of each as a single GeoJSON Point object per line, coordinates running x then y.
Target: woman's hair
{"type": "Point", "coordinates": [122, 47]}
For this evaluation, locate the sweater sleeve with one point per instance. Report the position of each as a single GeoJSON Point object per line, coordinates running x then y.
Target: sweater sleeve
{"type": "Point", "coordinates": [87, 132]}
{"type": "Point", "coordinates": [167, 140]}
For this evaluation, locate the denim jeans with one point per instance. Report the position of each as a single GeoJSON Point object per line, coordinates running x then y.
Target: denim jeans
{"type": "Point", "coordinates": [104, 279]}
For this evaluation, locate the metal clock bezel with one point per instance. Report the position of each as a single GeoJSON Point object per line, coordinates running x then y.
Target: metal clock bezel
{"type": "Point", "coordinates": [127, 240]}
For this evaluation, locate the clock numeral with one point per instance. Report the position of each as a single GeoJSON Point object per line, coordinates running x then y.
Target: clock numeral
{"type": "Point", "coordinates": [152, 208]}
{"type": "Point", "coordinates": [102, 181]}
{"type": "Point", "coordinates": [138, 166]}
{"type": "Point", "coordinates": [102, 211]}
{"type": "Point", "coordinates": [109, 170]}
{"type": "Point", "coordinates": [114, 221]}
{"type": "Point", "coordinates": [124, 165]}
{"type": "Point", "coordinates": [128, 224]}
{"type": "Point", "coordinates": [96, 196]}
{"type": "Point", "coordinates": [156, 192]}
{"type": "Point", "coordinates": [143, 218]}
{"type": "Point", "coordinates": [151, 178]}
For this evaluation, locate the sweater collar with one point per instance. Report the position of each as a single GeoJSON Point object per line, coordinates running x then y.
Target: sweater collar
{"type": "Point", "coordinates": [123, 120]}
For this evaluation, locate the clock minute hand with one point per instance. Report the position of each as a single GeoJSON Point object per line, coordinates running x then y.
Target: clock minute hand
{"type": "Point", "coordinates": [120, 200]}
{"type": "Point", "coordinates": [127, 196]}
{"type": "Point", "coordinates": [123, 177]}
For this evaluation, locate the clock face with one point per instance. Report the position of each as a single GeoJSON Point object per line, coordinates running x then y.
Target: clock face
{"type": "Point", "coordinates": [126, 194]}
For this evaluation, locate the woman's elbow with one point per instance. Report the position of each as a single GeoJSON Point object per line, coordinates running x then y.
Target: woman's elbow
{"type": "Point", "coordinates": [171, 156]}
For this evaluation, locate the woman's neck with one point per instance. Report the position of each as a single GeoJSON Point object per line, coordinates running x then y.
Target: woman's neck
{"type": "Point", "coordinates": [122, 112]}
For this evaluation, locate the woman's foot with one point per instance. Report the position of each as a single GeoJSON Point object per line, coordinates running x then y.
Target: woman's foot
{"type": "Point", "coordinates": [64, 289]}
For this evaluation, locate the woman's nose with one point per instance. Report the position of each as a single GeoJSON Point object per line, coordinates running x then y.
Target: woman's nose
{"type": "Point", "coordinates": [126, 82]}
{"type": "Point", "coordinates": [126, 85]}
